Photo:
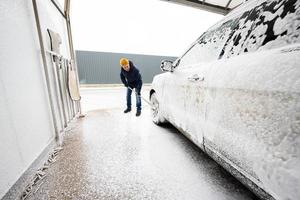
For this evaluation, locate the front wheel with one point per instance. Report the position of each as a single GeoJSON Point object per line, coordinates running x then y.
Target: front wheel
{"type": "Point", "coordinates": [157, 117]}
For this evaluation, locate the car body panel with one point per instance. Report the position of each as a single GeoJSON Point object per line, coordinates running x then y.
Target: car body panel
{"type": "Point", "coordinates": [253, 116]}
{"type": "Point", "coordinates": [180, 93]}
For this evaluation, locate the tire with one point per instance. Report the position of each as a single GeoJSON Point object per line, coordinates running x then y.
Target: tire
{"type": "Point", "coordinates": [157, 117]}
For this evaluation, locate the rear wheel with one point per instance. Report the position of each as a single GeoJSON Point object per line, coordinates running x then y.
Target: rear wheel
{"type": "Point", "coordinates": [157, 117]}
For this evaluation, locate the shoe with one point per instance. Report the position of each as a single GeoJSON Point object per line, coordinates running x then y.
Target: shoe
{"type": "Point", "coordinates": [138, 113]}
{"type": "Point", "coordinates": [127, 110]}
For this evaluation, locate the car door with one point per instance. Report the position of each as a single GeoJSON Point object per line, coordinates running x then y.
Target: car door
{"type": "Point", "coordinates": [189, 86]}
{"type": "Point", "coordinates": [197, 64]}
{"type": "Point", "coordinates": [174, 97]}
{"type": "Point", "coordinates": [177, 93]}
{"type": "Point", "coordinates": [195, 100]}
{"type": "Point", "coordinates": [186, 87]}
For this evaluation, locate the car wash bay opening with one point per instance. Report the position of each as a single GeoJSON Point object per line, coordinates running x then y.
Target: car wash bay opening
{"type": "Point", "coordinates": [63, 131]}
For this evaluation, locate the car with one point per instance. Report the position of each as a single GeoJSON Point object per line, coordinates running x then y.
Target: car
{"type": "Point", "coordinates": [235, 93]}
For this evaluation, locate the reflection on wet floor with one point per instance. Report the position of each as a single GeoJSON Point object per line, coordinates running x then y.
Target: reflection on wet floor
{"type": "Point", "coordinates": [111, 155]}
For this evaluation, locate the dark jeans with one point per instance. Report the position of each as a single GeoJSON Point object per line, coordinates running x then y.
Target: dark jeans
{"type": "Point", "coordinates": [138, 89]}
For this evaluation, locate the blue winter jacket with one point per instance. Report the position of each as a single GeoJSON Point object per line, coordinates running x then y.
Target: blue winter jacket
{"type": "Point", "coordinates": [131, 78]}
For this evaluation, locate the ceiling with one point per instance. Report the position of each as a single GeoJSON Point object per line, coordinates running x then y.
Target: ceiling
{"type": "Point", "coordinates": [215, 6]}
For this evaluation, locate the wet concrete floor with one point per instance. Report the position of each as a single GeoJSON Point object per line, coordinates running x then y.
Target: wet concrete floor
{"type": "Point", "coordinates": [110, 155]}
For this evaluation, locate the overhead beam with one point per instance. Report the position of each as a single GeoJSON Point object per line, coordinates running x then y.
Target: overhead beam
{"type": "Point", "coordinates": [227, 5]}
{"type": "Point", "coordinates": [58, 8]}
{"type": "Point", "coordinates": [203, 6]}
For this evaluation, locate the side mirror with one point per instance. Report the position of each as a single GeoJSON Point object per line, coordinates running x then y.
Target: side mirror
{"type": "Point", "coordinates": [166, 66]}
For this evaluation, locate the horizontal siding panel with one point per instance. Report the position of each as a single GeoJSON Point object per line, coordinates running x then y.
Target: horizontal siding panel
{"type": "Point", "coordinates": [104, 68]}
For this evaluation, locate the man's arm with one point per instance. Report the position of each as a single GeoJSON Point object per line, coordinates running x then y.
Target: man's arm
{"type": "Point", "coordinates": [123, 79]}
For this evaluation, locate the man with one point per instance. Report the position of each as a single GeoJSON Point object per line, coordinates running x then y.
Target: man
{"type": "Point", "coordinates": [131, 78]}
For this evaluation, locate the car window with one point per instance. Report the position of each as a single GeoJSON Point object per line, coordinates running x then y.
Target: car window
{"type": "Point", "coordinates": [189, 58]}
{"type": "Point", "coordinates": [269, 25]}
{"type": "Point", "coordinates": [209, 46]}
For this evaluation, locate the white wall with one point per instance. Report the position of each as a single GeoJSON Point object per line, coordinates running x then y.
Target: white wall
{"type": "Point", "coordinates": [26, 126]}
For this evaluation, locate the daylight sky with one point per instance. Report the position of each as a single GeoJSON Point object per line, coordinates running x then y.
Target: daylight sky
{"type": "Point", "coordinates": [137, 26]}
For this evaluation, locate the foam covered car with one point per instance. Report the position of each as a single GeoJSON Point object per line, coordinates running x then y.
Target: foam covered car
{"type": "Point", "coordinates": [236, 94]}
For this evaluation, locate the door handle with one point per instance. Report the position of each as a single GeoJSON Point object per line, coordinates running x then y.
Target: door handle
{"type": "Point", "coordinates": [195, 78]}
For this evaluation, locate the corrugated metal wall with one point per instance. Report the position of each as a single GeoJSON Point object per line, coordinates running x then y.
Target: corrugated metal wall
{"type": "Point", "coordinates": [104, 67]}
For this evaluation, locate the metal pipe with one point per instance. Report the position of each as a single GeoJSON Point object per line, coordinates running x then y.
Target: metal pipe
{"type": "Point", "coordinates": [46, 74]}
{"type": "Point", "coordinates": [64, 92]}
{"type": "Point", "coordinates": [58, 8]}
{"type": "Point", "coordinates": [57, 95]}
{"type": "Point", "coordinates": [228, 3]}
{"type": "Point", "coordinates": [58, 70]}
{"type": "Point", "coordinates": [72, 52]}
{"type": "Point", "coordinates": [202, 5]}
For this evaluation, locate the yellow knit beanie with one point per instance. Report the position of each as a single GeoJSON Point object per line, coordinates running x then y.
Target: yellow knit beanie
{"type": "Point", "coordinates": [124, 61]}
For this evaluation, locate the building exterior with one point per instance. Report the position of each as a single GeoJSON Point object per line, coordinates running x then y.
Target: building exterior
{"type": "Point", "coordinates": [104, 67]}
